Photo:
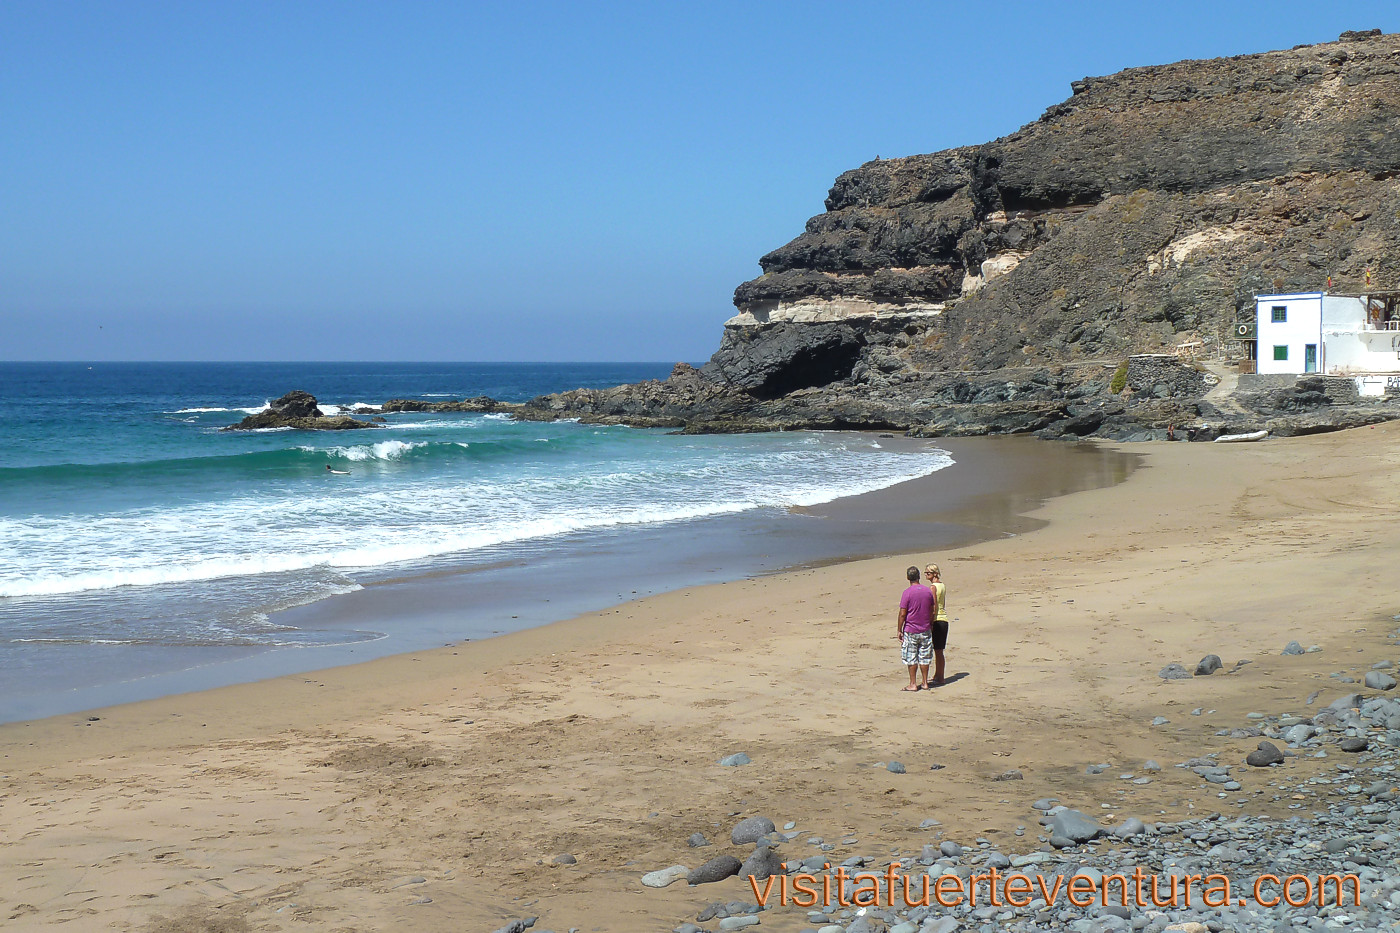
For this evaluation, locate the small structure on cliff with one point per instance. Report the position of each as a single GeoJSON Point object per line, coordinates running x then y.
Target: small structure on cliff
{"type": "Point", "coordinates": [1338, 335]}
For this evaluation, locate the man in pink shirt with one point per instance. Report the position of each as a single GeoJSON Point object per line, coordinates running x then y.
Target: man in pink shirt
{"type": "Point", "coordinates": [915, 630]}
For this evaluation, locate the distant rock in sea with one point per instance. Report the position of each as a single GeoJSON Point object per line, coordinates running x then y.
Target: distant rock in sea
{"type": "Point", "coordinates": [298, 409]}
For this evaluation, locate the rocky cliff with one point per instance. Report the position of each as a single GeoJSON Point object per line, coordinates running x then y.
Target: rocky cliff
{"type": "Point", "coordinates": [1140, 215]}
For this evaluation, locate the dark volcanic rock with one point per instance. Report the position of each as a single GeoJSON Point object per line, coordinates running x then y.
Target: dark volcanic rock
{"type": "Point", "coordinates": [1060, 279]}
{"type": "Point", "coordinates": [297, 409]}
{"type": "Point", "coordinates": [716, 869]}
{"type": "Point", "coordinates": [1266, 754]}
{"type": "Point", "coordinates": [751, 830]}
{"type": "Point", "coordinates": [480, 403]}
{"type": "Point", "coordinates": [761, 863]}
{"type": "Point", "coordinates": [296, 404]}
{"type": "Point", "coordinates": [772, 360]}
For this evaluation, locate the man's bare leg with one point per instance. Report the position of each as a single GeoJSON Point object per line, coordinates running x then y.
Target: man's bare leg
{"type": "Point", "coordinates": [913, 668]}
{"type": "Point", "coordinates": [923, 676]}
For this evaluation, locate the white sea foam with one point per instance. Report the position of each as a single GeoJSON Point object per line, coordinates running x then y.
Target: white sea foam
{"type": "Point", "coordinates": [384, 450]}
{"type": "Point", "coordinates": [454, 506]}
{"type": "Point", "coordinates": [195, 411]}
{"type": "Point", "coordinates": [330, 411]}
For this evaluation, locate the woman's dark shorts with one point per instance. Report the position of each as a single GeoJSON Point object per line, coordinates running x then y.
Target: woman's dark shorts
{"type": "Point", "coordinates": [940, 635]}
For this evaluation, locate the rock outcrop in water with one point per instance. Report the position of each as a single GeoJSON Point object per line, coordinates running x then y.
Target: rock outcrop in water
{"type": "Point", "coordinates": [298, 409]}
{"type": "Point", "coordinates": [1001, 287]}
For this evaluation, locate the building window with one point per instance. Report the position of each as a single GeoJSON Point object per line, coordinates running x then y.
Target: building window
{"type": "Point", "coordinates": [1280, 353]}
{"type": "Point", "coordinates": [1280, 315]}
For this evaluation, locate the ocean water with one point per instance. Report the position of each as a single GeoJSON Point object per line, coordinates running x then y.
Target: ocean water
{"type": "Point", "coordinates": [139, 538]}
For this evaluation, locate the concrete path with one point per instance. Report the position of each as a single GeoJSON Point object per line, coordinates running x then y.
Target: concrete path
{"type": "Point", "coordinates": [1222, 395]}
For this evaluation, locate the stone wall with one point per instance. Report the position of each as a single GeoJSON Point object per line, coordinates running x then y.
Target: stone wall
{"type": "Point", "coordinates": [1162, 376]}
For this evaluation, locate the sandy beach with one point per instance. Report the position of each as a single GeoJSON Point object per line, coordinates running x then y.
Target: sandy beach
{"type": "Point", "coordinates": [433, 791]}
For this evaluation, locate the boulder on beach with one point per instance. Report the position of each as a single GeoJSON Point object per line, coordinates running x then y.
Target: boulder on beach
{"type": "Point", "coordinates": [751, 830]}
{"type": "Point", "coordinates": [716, 869]}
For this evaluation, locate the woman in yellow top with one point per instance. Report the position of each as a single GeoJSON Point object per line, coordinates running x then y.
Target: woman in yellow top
{"type": "Point", "coordinates": [940, 620]}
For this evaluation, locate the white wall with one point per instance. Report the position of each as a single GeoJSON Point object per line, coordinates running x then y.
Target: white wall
{"type": "Point", "coordinates": [1302, 327]}
{"type": "Point", "coordinates": [1349, 346]}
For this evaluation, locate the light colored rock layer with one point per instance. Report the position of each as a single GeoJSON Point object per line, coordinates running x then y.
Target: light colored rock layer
{"type": "Point", "coordinates": [825, 310]}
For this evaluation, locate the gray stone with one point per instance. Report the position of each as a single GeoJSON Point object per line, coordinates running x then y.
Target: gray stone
{"type": "Point", "coordinates": [518, 926]}
{"type": "Point", "coordinates": [951, 849]}
{"type": "Point", "coordinates": [761, 863]}
{"type": "Point", "coordinates": [735, 760]}
{"type": "Point", "coordinates": [751, 830]}
{"type": "Point", "coordinates": [565, 859]}
{"type": "Point", "coordinates": [664, 876]}
{"type": "Point", "coordinates": [1174, 671]}
{"type": "Point", "coordinates": [1292, 648]}
{"type": "Point", "coordinates": [1208, 665]}
{"type": "Point", "coordinates": [1132, 826]}
{"type": "Point", "coordinates": [716, 869]}
{"type": "Point", "coordinates": [1045, 803]}
{"type": "Point", "coordinates": [697, 840]}
{"type": "Point", "coordinates": [738, 923]}
{"type": "Point", "coordinates": [1072, 824]}
{"type": "Point", "coordinates": [1266, 754]}
{"type": "Point", "coordinates": [1297, 735]}
{"type": "Point", "coordinates": [1353, 744]}
{"type": "Point", "coordinates": [1160, 720]}
{"type": "Point", "coordinates": [1012, 775]}
{"type": "Point", "coordinates": [1376, 680]}
{"type": "Point", "coordinates": [894, 767]}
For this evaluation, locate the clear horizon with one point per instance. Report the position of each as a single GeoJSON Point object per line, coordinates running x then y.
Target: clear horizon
{"type": "Point", "coordinates": [357, 183]}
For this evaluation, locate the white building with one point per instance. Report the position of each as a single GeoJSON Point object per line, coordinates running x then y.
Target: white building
{"type": "Point", "coordinates": [1337, 335]}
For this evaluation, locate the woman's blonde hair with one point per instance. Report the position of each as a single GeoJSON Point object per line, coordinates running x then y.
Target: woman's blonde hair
{"type": "Point", "coordinates": [933, 569]}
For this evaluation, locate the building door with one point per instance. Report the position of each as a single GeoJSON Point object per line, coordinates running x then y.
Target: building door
{"type": "Point", "coordinates": [1310, 358]}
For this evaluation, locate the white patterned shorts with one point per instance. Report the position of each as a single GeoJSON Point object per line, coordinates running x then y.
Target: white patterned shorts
{"type": "Point", "coordinates": [917, 648]}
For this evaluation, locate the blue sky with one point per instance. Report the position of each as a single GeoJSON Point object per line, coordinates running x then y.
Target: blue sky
{"type": "Point", "coordinates": [524, 181]}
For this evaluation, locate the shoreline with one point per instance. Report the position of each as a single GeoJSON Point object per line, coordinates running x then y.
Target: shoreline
{"type": "Point", "coordinates": [471, 598]}
{"type": "Point", "coordinates": [472, 767]}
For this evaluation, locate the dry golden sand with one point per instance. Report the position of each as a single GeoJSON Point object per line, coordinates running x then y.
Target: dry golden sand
{"type": "Point", "coordinates": [317, 802]}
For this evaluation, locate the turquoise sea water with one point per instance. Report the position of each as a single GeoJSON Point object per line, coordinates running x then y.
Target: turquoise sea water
{"type": "Point", "coordinates": [129, 521]}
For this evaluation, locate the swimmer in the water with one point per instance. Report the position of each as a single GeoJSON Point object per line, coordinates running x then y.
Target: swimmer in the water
{"type": "Point", "coordinates": [337, 472]}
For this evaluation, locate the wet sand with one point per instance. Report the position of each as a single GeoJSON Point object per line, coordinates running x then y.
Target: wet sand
{"type": "Point", "coordinates": [523, 585]}
{"type": "Point", "coordinates": [432, 790]}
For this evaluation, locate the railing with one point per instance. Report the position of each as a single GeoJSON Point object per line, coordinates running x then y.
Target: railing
{"type": "Point", "coordinates": [1383, 325]}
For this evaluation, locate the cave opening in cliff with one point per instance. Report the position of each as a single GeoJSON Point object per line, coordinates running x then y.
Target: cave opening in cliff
{"type": "Point", "coordinates": [811, 367]}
